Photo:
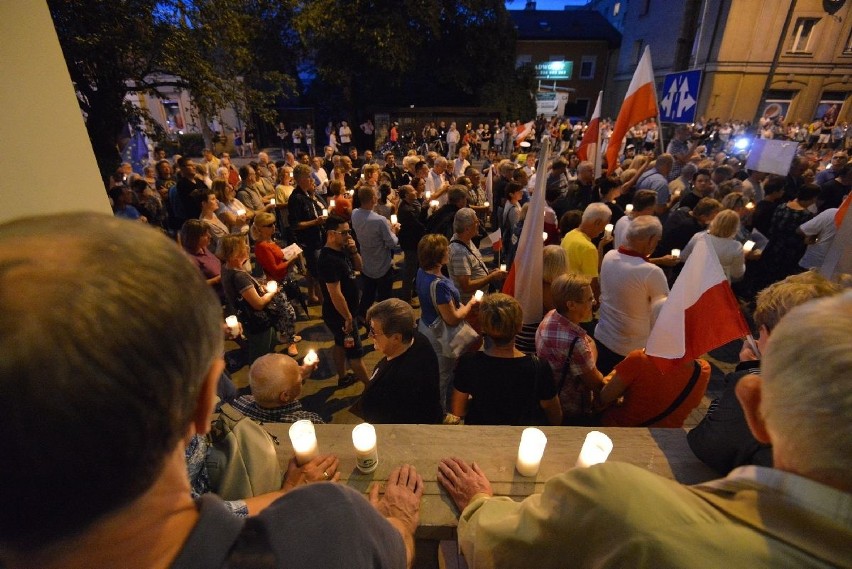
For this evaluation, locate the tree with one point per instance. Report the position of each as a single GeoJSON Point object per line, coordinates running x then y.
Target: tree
{"type": "Point", "coordinates": [115, 48]}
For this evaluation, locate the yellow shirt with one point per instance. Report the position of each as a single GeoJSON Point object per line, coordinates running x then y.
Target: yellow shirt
{"type": "Point", "coordinates": [582, 253]}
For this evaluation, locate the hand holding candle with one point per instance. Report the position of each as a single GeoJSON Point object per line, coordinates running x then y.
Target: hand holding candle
{"type": "Point", "coordinates": [478, 295]}
{"type": "Point", "coordinates": [503, 267]}
{"type": "Point", "coordinates": [272, 286]}
{"type": "Point", "coordinates": [233, 325]}
{"type": "Point", "coordinates": [434, 204]}
{"type": "Point", "coordinates": [241, 212]}
{"type": "Point", "coordinates": [310, 358]}
{"type": "Point", "coordinates": [304, 440]}
{"type": "Point", "coordinates": [272, 201]}
{"type": "Point", "coordinates": [366, 453]}
{"type": "Point", "coordinates": [331, 204]}
{"type": "Point", "coordinates": [608, 230]}
{"type": "Point", "coordinates": [629, 208]}
{"type": "Point", "coordinates": [324, 212]}
{"type": "Point", "coordinates": [486, 204]}
{"type": "Point", "coordinates": [530, 451]}
{"type": "Point", "coordinates": [596, 449]}
{"type": "Point", "coordinates": [428, 195]}
{"type": "Point", "coordinates": [676, 253]}
{"type": "Point", "coordinates": [394, 219]}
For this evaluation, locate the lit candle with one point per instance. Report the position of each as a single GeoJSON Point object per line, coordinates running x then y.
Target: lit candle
{"type": "Point", "coordinates": [478, 295]}
{"type": "Point", "coordinates": [629, 208]}
{"type": "Point", "coordinates": [608, 230]}
{"type": "Point", "coordinates": [544, 235]}
{"type": "Point", "coordinates": [748, 246]}
{"type": "Point", "coordinates": [486, 204]}
{"type": "Point", "coordinates": [677, 194]}
{"type": "Point", "coordinates": [676, 253]}
{"type": "Point", "coordinates": [271, 286]}
{"type": "Point", "coordinates": [596, 449]}
{"type": "Point", "coordinates": [530, 451]}
{"type": "Point", "coordinates": [750, 205]}
{"type": "Point", "coordinates": [272, 201]}
{"type": "Point", "coordinates": [310, 358]}
{"type": "Point", "coordinates": [428, 195]}
{"type": "Point", "coordinates": [331, 204]}
{"type": "Point", "coordinates": [394, 219]}
{"type": "Point", "coordinates": [241, 212]}
{"type": "Point", "coordinates": [366, 453]}
{"type": "Point", "coordinates": [304, 440]}
{"type": "Point", "coordinates": [324, 212]}
{"type": "Point", "coordinates": [233, 324]}
{"type": "Point", "coordinates": [503, 267]}
{"type": "Point", "coordinates": [434, 203]}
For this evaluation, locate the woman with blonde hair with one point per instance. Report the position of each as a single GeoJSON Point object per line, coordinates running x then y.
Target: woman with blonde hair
{"type": "Point", "coordinates": [502, 385]}
{"type": "Point", "coordinates": [721, 236]}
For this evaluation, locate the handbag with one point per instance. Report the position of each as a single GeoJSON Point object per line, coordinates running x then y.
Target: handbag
{"type": "Point", "coordinates": [454, 340]}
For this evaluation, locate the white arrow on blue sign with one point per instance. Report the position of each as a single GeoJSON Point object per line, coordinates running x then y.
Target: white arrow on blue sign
{"type": "Point", "coordinates": [680, 96]}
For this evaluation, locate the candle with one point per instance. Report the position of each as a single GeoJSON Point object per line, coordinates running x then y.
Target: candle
{"type": "Point", "coordinates": [486, 204]}
{"type": "Point", "coordinates": [428, 195]}
{"type": "Point", "coordinates": [304, 441]}
{"type": "Point", "coordinates": [676, 253]}
{"type": "Point", "coordinates": [241, 212]}
{"type": "Point", "coordinates": [310, 358]}
{"type": "Point", "coordinates": [478, 295]}
{"type": "Point", "coordinates": [750, 205]}
{"type": "Point", "coordinates": [366, 453]}
{"type": "Point", "coordinates": [596, 449]}
{"type": "Point", "coordinates": [331, 204]}
{"type": "Point", "coordinates": [748, 246]}
{"type": "Point", "coordinates": [677, 194]}
{"type": "Point", "coordinates": [434, 203]}
{"type": "Point", "coordinates": [544, 235]}
{"type": "Point", "coordinates": [324, 212]}
{"type": "Point", "coordinates": [608, 230]}
{"type": "Point", "coordinates": [394, 219]}
{"type": "Point", "coordinates": [272, 201]}
{"type": "Point", "coordinates": [530, 451]}
{"type": "Point", "coordinates": [629, 208]}
{"type": "Point", "coordinates": [271, 286]}
{"type": "Point", "coordinates": [233, 324]}
{"type": "Point", "coordinates": [503, 267]}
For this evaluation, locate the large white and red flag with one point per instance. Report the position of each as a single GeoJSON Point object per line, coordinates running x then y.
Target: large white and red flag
{"type": "Point", "coordinates": [524, 281]}
{"type": "Point", "coordinates": [522, 131]}
{"type": "Point", "coordinates": [590, 145]}
{"type": "Point", "coordinates": [640, 103]}
{"type": "Point", "coordinates": [700, 314]}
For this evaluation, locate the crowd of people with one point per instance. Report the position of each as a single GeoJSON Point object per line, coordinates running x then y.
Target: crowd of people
{"type": "Point", "coordinates": [327, 231]}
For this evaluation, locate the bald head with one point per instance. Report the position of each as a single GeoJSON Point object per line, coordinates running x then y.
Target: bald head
{"type": "Point", "coordinates": [275, 379]}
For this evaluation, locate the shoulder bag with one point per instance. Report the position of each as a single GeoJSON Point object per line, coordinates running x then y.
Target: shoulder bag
{"type": "Point", "coordinates": [454, 340]}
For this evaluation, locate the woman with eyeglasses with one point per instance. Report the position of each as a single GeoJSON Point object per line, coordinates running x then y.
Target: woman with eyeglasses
{"type": "Point", "coordinates": [271, 258]}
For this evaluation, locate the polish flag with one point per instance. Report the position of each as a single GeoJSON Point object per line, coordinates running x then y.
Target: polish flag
{"type": "Point", "coordinates": [700, 314]}
{"type": "Point", "coordinates": [524, 281]}
{"type": "Point", "coordinates": [640, 103]}
{"type": "Point", "coordinates": [522, 131]}
{"type": "Point", "coordinates": [590, 146]}
{"type": "Point", "coordinates": [496, 239]}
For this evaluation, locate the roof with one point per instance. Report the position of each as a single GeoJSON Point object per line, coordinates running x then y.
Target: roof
{"type": "Point", "coordinates": [564, 25]}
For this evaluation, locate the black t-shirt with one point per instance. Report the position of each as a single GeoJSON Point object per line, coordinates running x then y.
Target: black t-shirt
{"type": "Point", "coordinates": [502, 388]}
{"type": "Point", "coordinates": [336, 267]}
{"type": "Point", "coordinates": [678, 230]}
{"type": "Point", "coordinates": [302, 207]}
{"type": "Point", "coordinates": [405, 390]}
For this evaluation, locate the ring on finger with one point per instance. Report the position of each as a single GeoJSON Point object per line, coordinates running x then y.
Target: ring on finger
{"type": "Point", "coordinates": [324, 473]}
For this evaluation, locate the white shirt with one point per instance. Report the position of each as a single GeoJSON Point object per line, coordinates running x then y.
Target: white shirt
{"type": "Point", "coordinates": [729, 252]}
{"type": "Point", "coordinates": [823, 227]}
{"type": "Point", "coordinates": [630, 286]}
{"type": "Point", "coordinates": [619, 234]}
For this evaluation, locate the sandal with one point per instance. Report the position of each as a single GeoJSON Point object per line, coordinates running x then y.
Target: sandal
{"type": "Point", "coordinates": [293, 351]}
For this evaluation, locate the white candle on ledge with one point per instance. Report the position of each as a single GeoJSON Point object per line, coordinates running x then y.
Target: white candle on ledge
{"type": "Point", "coordinates": [272, 286]}
{"type": "Point", "coordinates": [629, 208]}
{"type": "Point", "coordinates": [233, 324]}
{"type": "Point", "coordinates": [608, 230]}
{"type": "Point", "coordinates": [366, 452]}
{"type": "Point", "coordinates": [394, 219]}
{"type": "Point", "coordinates": [331, 204]}
{"type": "Point", "coordinates": [272, 201]}
{"type": "Point", "coordinates": [596, 449]}
{"type": "Point", "coordinates": [676, 253]}
{"type": "Point", "coordinates": [530, 451]}
{"type": "Point", "coordinates": [324, 212]}
{"type": "Point", "coordinates": [310, 358]}
{"type": "Point", "coordinates": [503, 267]}
{"type": "Point", "coordinates": [478, 295]}
{"type": "Point", "coordinates": [304, 440]}
{"type": "Point", "coordinates": [748, 246]}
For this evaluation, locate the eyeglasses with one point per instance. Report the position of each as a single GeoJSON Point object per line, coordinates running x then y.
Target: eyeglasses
{"type": "Point", "coordinates": [343, 232]}
{"type": "Point", "coordinates": [372, 333]}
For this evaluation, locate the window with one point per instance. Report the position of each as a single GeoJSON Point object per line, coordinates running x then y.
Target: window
{"type": "Point", "coordinates": [616, 9]}
{"type": "Point", "coordinates": [587, 67]}
{"type": "Point", "coordinates": [523, 59]}
{"type": "Point", "coordinates": [637, 50]}
{"type": "Point", "coordinates": [802, 33]}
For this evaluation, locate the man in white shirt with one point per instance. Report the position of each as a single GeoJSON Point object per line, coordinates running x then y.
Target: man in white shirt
{"type": "Point", "coordinates": [377, 240]}
{"type": "Point", "coordinates": [436, 181]}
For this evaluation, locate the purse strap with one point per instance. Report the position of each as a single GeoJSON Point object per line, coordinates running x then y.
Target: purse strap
{"type": "Point", "coordinates": [567, 365]}
{"type": "Point", "coordinates": [696, 373]}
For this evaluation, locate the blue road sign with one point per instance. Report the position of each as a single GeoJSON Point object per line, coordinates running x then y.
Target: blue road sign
{"type": "Point", "coordinates": [680, 96]}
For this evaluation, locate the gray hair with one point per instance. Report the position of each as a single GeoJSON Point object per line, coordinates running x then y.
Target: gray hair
{"type": "Point", "coordinates": [806, 397]}
{"type": "Point", "coordinates": [112, 347]}
{"type": "Point", "coordinates": [465, 217]}
{"type": "Point", "coordinates": [586, 165]}
{"type": "Point", "coordinates": [396, 317]}
{"type": "Point", "coordinates": [688, 171]}
{"type": "Point", "coordinates": [597, 212]}
{"type": "Point", "coordinates": [643, 227]}
{"type": "Point", "coordinates": [271, 374]}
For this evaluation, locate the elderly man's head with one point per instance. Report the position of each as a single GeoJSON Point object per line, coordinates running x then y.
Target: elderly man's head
{"type": "Point", "coordinates": [586, 172]}
{"type": "Point", "coordinates": [275, 379]}
{"type": "Point", "coordinates": [595, 217]}
{"type": "Point", "coordinates": [465, 224]}
{"type": "Point", "coordinates": [643, 234]}
{"type": "Point", "coordinates": [121, 372]}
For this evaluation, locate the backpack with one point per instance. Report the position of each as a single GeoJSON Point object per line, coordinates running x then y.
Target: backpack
{"type": "Point", "coordinates": [242, 461]}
